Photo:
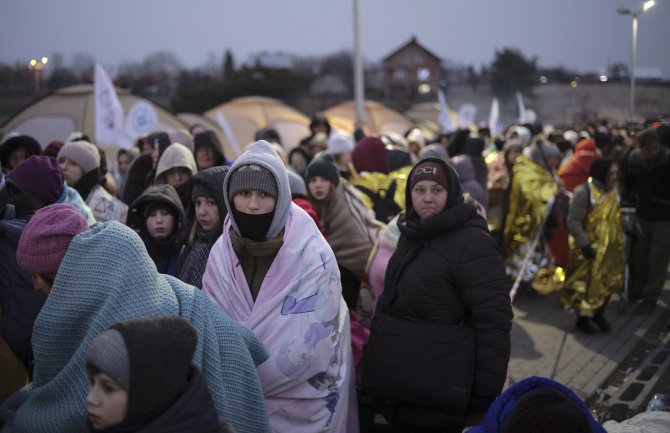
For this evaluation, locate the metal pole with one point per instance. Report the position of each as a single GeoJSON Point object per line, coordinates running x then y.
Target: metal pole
{"type": "Point", "coordinates": [359, 89]}
{"type": "Point", "coordinates": [633, 61]}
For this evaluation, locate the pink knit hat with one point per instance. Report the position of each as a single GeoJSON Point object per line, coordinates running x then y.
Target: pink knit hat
{"type": "Point", "coordinates": [47, 236]}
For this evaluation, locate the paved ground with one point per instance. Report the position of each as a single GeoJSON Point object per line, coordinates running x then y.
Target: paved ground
{"type": "Point", "coordinates": [600, 367]}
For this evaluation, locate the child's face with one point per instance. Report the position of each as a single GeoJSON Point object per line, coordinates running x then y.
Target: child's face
{"type": "Point", "coordinates": [107, 402]}
{"type": "Point", "coordinates": [319, 187]}
{"type": "Point", "coordinates": [207, 213]}
{"type": "Point", "coordinates": [177, 176]}
{"type": "Point", "coordinates": [160, 224]}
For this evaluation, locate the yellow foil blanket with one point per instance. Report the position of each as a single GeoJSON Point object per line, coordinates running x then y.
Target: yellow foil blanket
{"type": "Point", "coordinates": [532, 189]}
{"type": "Point", "coordinates": [589, 283]}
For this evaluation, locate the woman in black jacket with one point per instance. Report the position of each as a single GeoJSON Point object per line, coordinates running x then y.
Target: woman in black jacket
{"type": "Point", "coordinates": [448, 269]}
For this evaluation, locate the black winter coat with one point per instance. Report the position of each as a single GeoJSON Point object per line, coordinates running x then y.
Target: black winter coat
{"type": "Point", "coordinates": [447, 268]}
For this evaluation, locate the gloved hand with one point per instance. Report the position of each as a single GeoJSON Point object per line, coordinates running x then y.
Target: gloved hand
{"type": "Point", "coordinates": [588, 252]}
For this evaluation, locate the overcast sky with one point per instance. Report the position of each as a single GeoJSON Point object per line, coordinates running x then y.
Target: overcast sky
{"type": "Point", "coordinates": [584, 35]}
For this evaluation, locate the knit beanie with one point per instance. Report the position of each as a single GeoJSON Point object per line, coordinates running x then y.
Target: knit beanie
{"type": "Point", "coordinates": [108, 354]}
{"type": "Point", "coordinates": [325, 167]}
{"type": "Point", "coordinates": [297, 184]}
{"type": "Point", "coordinates": [370, 155]}
{"type": "Point", "coordinates": [39, 176]}
{"type": "Point", "coordinates": [548, 411]}
{"type": "Point", "coordinates": [53, 148]}
{"type": "Point", "coordinates": [339, 142]}
{"type": "Point", "coordinates": [252, 176]}
{"type": "Point", "coordinates": [47, 236]}
{"type": "Point", "coordinates": [429, 170]}
{"type": "Point", "coordinates": [83, 153]}
{"type": "Point", "coordinates": [160, 353]}
{"type": "Point", "coordinates": [434, 150]}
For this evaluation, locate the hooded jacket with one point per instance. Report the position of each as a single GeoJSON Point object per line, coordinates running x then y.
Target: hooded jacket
{"type": "Point", "coordinates": [261, 153]}
{"type": "Point", "coordinates": [576, 169]}
{"type": "Point", "coordinates": [163, 253]}
{"type": "Point", "coordinates": [177, 155]}
{"type": "Point", "coordinates": [448, 269]}
{"type": "Point", "coordinates": [193, 259]}
{"type": "Point", "coordinates": [505, 403]}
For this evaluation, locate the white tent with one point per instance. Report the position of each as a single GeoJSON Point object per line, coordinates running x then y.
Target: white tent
{"type": "Point", "coordinates": [62, 111]}
{"type": "Point", "coordinates": [248, 114]}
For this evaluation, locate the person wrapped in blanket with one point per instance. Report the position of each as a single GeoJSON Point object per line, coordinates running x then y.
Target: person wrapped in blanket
{"type": "Point", "coordinates": [597, 259]}
{"type": "Point", "coordinates": [272, 271]}
{"type": "Point", "coordinates": [534, 192]}
{"type": "Point", "coordinates": [94, 279]}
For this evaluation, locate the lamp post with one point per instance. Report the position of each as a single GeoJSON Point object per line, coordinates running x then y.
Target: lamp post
{"type": "Point", "coordinates": [36, 67]}
{"type": "Point", "coordinates": [633, 57]}
{"type": "Point", "coordinates": [359, 82]}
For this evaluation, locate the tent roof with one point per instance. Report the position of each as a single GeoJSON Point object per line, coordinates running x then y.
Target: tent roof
{"type": "Point", "coordinates": [58, 113]}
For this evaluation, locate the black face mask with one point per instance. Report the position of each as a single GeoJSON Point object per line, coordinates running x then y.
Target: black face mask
{"type": "Point", "coordinates": [253, 226]}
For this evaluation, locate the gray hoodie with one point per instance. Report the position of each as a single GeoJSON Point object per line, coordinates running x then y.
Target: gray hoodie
{"type": "Point", "coordinates": [261, 153]}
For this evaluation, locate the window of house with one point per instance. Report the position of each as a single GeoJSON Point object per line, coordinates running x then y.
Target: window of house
{"type": "Point", "coordinates": [400, 74]}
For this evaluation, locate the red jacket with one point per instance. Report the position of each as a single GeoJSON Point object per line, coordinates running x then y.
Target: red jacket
{"type": "Point", "coordinates": [306, 205]}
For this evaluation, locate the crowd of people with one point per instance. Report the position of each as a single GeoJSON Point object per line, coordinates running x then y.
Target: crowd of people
{"type": "Point", "coordinates": [174, 288]}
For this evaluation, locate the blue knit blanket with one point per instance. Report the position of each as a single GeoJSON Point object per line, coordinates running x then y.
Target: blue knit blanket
{"type": "Point", "coordinates": [107, 277]}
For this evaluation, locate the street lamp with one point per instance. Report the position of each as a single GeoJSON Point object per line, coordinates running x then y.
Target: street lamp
{"type": "Point", "coordinates": [624, 11]}
{"type": "Point", "coordinates": [36, 67]}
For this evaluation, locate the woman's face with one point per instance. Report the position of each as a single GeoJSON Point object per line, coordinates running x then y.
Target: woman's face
{"type": "Point", "coordinates": [72, 172]}
{"type": "Point", "coordinates": [319, 187]}
{"type": "Point", "coordinates": [254, 202]}
{"type": "Point", "coordinates": [160, 224]}
{"type": "Point", "coordinates": [428, 198]}
{"type": "Point", "coordinates": [207, 213]}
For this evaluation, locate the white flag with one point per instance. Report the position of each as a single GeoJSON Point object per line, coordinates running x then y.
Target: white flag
{"type": "Point", "coordinates": [494, 118]}
{"type": "Point", "coordinates": [141, 118]}
{"type": "Point", "coordinates": [522, 108]}
{"type": "Point", "coordinates": [229, 133]}
{"type": "Point", "coordinates": [443, 117]}
{"type": "Point", "coordinates": [108, 109]}
{"type": "Point", "coordinates": [467, 114]}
